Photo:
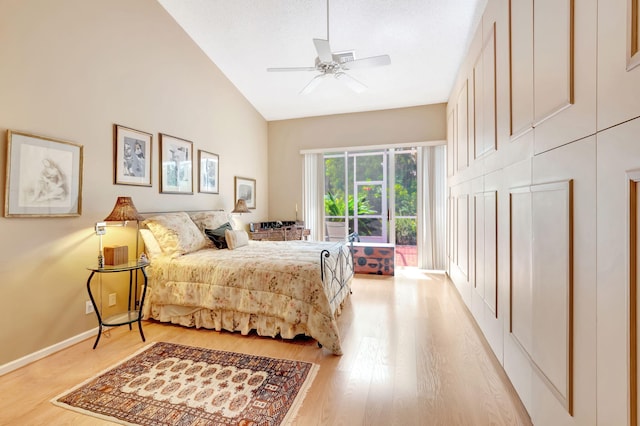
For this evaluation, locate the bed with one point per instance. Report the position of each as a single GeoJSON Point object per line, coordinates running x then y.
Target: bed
{"type": "Point", "coordinates": [204, 272]}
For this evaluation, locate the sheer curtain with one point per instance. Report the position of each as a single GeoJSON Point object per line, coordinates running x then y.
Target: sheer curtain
{"type": "Point", "coordinates": [433, 208]}
{"type": "Point", "coordinates": [313, 196]}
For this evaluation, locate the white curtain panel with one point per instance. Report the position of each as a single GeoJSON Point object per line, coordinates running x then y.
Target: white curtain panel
{"type": "Point", "coordinates": [314, 196]}
{"type": "Point", "coordinates": [433, 224]}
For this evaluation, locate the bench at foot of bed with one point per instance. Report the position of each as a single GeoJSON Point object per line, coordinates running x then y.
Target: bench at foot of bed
{"type": "Point", "coordinates": [374, 258]}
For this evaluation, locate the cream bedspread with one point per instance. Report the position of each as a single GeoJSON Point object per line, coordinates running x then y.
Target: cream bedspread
{"type": "Point", "coordinates": [271, 287]}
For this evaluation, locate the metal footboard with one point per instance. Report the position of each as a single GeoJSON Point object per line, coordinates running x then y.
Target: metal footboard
{"type": "Point", "coordinates": [336, 270]}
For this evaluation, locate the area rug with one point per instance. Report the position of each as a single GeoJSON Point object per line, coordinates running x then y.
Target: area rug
{"type": "Point", "coordinates": [169, 384]}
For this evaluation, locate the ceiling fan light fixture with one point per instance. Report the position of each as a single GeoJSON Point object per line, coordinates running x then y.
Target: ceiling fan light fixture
{"type": "Point", "coordinates": [328, 62]}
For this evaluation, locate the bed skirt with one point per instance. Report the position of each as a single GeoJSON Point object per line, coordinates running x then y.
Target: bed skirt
{"type": "Point", "coordinates": [234, 321]}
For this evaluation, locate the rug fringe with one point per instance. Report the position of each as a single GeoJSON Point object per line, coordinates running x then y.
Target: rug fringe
{"type": "Point", "coordinates": [297, 402]}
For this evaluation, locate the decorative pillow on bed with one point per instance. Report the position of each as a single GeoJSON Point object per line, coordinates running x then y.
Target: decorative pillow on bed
{"type": "Point", "coordinates": [217, 235]}
{"type": "Point", "coordinates": [236, 239]}
{"type": "Point", "coordinates": [176, 233]}
{"type": "Point", "coordinates": [210, 219]}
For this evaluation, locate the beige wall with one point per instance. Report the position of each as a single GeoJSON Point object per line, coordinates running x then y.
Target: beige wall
{"type": "Point", "coordinates": [288, 137]}
{"type": "Point", "coordinates": [73, 69]}
{"type": "Point", "coordinates": [70, 70]}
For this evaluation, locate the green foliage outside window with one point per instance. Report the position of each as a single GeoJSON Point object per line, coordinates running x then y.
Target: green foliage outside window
{"type": "Point", "coordinates": [406, 232]}
{"type": "Point", "coordinates": [368, 169]}
{"type": "Point", "coordinates": [406, 189]}
{"type": "Point", "coordinates": [335, 206]}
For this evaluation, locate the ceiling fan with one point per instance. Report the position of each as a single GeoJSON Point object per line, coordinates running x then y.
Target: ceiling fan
{"type": "Point", "coordinates": [335, 64]}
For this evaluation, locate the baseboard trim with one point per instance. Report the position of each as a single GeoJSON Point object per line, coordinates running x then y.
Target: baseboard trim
{"type": "Point", "coordinates": [28, 359]}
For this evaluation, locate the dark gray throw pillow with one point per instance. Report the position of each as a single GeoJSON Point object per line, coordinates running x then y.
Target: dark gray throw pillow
{"type": "Point", "coordinates": [217, 235]}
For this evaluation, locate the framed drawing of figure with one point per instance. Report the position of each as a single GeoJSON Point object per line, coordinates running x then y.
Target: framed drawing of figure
{"type": "Point", "coordinates": [44, 177]}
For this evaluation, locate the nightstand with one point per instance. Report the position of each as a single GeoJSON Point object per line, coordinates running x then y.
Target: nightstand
{"type": "Point", "coordinates": [133, 312]}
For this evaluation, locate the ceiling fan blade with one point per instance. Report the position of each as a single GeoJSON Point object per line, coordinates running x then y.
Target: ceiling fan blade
{"type": "Point", "coordinates": [323, 49]}
{"type": "Point", "coordinates": [372, 61]}
{"type": "Point", "coordinates": [351, 82]}
{"type": "Point", "coordinates": [288, 69]}
{"type": "Point", "coordinates": [315, 82]}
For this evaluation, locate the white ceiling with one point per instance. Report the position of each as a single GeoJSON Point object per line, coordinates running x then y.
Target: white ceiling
{"type": "Point", "coordinates": [426, 40]}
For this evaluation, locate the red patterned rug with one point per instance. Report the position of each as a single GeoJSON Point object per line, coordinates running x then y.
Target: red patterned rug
{"type": "Point", "coordinates": [169, 384]}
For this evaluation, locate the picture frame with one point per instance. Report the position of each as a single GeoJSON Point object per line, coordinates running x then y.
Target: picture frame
{"type": "Point", "coordinates": [176, 165]}
{"type": "Point", "coordinates": [132, 156]}
{"type": "Point", "coordinates": [43, 176]}
{"type": "Point", "coordinates": [209, 172]}
{"type": "Point", "coordinates": [245, 188]}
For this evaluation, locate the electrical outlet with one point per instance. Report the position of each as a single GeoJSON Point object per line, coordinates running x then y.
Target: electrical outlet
{"type": "Point", "coordinates": [88, 307]}
{"type": "Point", "coordinates": [112, 299]}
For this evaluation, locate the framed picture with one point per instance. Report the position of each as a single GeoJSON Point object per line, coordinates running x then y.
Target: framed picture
{"type": "Point", "coordinates": [246, 189]}
{"type": "Point", "coordinates": [131, 156]}
{"type": "Point", "coordinates": [209, 172]}
{"type": "Point", "coordinates": [176, 165]}
{"type": "Point", "coordinates": [43, 177]}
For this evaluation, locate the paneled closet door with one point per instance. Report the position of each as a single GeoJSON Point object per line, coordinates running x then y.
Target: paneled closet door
{"type": "Point", "coordinates": [565, 48]}
{"type": "Point", "coordinates": [460, 209]}
{"type": "Point", "coordinates": [550, 342]}
{"type": "Point", "coordinates": [564, 284]}
{"type": "Point", "coordinates": [618, 62]}
{"type": "Point", "coordinates": [485, 301]}
{"type": "Point", "coordinates": [617, 280]}
{"type": "Point", "coordinates": [495, 288]}
{"type": "Point", "coordinates": [553, 73]}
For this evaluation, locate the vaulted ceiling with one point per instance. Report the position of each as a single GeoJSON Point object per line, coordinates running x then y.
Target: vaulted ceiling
{"type": "Point", "coordinates": [425, 39]}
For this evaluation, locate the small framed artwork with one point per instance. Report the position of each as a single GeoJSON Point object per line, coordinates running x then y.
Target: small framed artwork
{"type": "Point", "coordinates": [246, 190]}
{"type": "Point", "coordinates": [176, 165]}
{"type": "Point", "coordinates": [209, 172]}
{"type": "Point", "coordinates": [131, 156]}
{"type": "Point", "coordinates": [44, 177]}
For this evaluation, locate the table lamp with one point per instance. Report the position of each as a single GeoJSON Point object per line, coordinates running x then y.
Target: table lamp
{"type": "Point", "coordinates": [124, 211]}
{"type": "Point", "coordinates": [241, 207]}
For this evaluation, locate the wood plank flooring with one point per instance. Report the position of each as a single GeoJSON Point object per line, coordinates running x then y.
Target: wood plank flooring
{"type": "Point", "coordinates": [412, 356]}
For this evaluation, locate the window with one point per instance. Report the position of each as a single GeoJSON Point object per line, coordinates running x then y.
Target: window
{"type": "Point", "coordinates": [373, 193]}
{"type": "Point", "coordinates": [400, 198]}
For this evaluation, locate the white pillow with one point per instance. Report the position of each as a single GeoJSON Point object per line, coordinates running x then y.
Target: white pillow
{"type": "Point", "coordinates": [176, 233]}
{"type": "Point", "coordinates": [236, 239]}
{"type": "Point", "coordinates": [151, 246]}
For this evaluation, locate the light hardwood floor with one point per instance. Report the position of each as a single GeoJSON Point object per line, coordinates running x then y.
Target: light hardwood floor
{"type": "Point", "coordinates": [412, 356]}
